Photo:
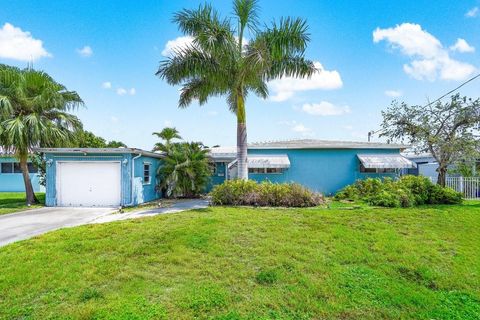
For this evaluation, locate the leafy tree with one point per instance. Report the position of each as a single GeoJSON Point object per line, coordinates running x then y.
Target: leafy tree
{"type": "Point", "coordinates": [167, 135]}
{"type": "Point", "coordinates": [221, 63]}
{"type": "Point", "coordinates": [34, 113]}
{"type": "Point", "coordinates": [116, 144]}
{"type": "Point", "coordinates": [446, 130]}
{"type": "Point", "coordinates": [185, 171]}
{"type": "Point", "coordinates": [87, 139]}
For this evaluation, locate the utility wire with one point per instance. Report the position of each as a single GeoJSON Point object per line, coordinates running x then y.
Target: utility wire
{"type": "Point", "coordinates": [371, 133]}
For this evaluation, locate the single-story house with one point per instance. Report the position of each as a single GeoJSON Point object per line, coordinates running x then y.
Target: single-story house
{"type": "Point", "coordinates": [426, 165]}
{"type": "Point", "coordinates": [11, 177]}
{"type": "Point", "coordinates": [323, 166]}
{"type": "Point", "coordinates": [100, 176]}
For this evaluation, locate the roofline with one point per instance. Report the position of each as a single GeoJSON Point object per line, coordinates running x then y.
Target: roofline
{"type": "Point", "coordinates": [101, 150]}
{"type": "Point", "coordinates": [373, 146]}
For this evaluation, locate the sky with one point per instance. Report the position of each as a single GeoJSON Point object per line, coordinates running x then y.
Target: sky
{"type": "Point", "coordinates": [367, 53]}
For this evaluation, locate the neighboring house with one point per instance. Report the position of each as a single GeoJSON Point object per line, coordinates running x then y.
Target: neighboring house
{"type": "Point", "coordinates": [100, 177]}
{"type": "Point", "coordinates": [426, 165]}
{"type": "Point", "coordinates": [323, 166]}
{"type": "Point", "coordinates": [11, 178]}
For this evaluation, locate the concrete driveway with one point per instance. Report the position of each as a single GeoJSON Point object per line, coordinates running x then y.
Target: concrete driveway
{"type": "Point", "coordinates": [26, 224]}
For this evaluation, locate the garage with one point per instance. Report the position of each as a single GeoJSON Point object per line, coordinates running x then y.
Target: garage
{"type": "Point", "coordinates": [88, 183]}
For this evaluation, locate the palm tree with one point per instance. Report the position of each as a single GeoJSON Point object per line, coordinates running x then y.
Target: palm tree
{"type": "Point", "coordinates": [167, 134]}
{"type": "Point", "coordinates": [185, 171]}
{"type": "Point", "coordinates": [34, 113]}
{"type": "Point", "coordinates": [219, 62]}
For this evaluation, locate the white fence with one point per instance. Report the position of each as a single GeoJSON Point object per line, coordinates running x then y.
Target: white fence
{"type": "Point", "coordinates": [470, 187]}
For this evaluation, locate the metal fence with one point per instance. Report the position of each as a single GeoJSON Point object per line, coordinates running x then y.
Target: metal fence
{"type": "Point", "coordinates": [470, 187]}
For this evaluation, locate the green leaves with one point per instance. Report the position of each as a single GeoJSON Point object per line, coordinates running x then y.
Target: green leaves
{"type": "Point", "coordinates": [34, 110]}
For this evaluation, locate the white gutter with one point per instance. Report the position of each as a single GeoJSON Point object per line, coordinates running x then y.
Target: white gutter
{"type": "Point", "coordinates": [133, 179]}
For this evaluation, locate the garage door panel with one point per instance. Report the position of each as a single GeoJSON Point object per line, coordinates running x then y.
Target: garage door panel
{"type": "Point", "coordinates": [88, 183]}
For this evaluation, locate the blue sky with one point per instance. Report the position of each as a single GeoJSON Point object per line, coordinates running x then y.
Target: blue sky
{"type": "Point", "coordinates": [369, 51]}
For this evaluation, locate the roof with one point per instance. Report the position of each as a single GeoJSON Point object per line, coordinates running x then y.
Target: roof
{"type": "Point", "coordinates": [223, 153]}
{"type": "Point", "coordinates": [101, 150]}
{"type": "Point", "coordinates": [4, 153]}
{"type": "Point", "coordinates": [385, 161]}
{"type": "Point", "coordinates": [323, 144]}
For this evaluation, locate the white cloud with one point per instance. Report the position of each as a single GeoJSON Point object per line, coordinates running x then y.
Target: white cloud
{"type": "Point", "coordinates": [393, 93]}
{"type": "Point", "coordinates": [472, 13]}
{"type": "Point", "coordinates": [297, 127]}
{"type": "Point", "coordinates": [114, 119]}
{"type": "Point", "coordinates": [85, 52]}
{"type": "Point", "coordinates": [430, 60]}
{"type": "Point", "coordinates": [178, 43]}
{"type": "Point", "coordinates": [324, 109]}
{"type": "Point", "coordinates": [284, 88]}
{"type": "Point", "coordinates": [107, 85]}
{"type": "Point", "coordinates": [213, 113]}
{"type": "Point", "coordinates": [167, 123]}
{"type": "Point", "coordinates": [19, 45]}
{"type": "Point", "coordinates": [121, 91]}
{"type": "Point", "coordinates": [462, 46]}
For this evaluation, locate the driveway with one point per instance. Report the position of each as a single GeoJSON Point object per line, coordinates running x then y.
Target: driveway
{"type": "Point", "coordinates": [26, 224]}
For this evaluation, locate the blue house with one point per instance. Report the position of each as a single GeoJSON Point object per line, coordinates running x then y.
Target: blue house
{"type": "Point", "coordinates": [11, 178]}
{"type": "Point", "coordinates": [100, 177]}
{"type": "Point", "coordinates": [323, 166]}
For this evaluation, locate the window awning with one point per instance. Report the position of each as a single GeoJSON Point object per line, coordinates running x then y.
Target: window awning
{"type": "Point", "coordinates": [268, 161]}
{"type": "Point", "coordinates": [385, 161]}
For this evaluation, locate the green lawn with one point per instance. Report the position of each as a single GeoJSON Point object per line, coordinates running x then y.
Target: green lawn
{"type": "Point", "coordinates": [237, 263]}
{"type": "Point", "coordinates": [15, 201]}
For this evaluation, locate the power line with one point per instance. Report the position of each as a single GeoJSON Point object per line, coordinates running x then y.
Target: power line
{"type": "Point", "coordinates": [371, 133]}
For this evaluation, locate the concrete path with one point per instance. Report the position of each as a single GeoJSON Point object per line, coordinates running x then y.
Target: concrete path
{"type": "Point", "coordinates": [26, 224]}
{"type": "Point", "coordinates": [177, 207]}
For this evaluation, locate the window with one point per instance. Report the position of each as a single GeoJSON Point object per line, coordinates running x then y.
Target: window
{"type": "Point", "coordinates": [16, 168]}
{"type": "Point", "coordinates": [265, 170]}
{"type": "Point", "coordinates": [376, 170]}
{"type": "Point", "coordinates": [7, 167]}
{"type": "Point", "coordinates": [146, 173]}
{"type": "Point", "coordinates": [32, 168]}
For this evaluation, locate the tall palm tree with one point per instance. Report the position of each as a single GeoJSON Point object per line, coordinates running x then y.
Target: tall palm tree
{"type": "Point", "coordinates": [219, 62]}
{"type": "Point", "coordinates": [167, 135]}
{"type": "Point", "coordinates": [34, 113]}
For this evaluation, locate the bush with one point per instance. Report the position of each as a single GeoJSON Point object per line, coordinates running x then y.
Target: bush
{"type": "Point", "coordinates": [251, 193]}
{"type": "Point", "coordinates": [405, 192]}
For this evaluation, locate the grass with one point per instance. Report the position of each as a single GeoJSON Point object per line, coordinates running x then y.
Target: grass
{"type": "Point", "coordinates": [11, 202]}
{"type": "Point", "coordinates": [241, 263]}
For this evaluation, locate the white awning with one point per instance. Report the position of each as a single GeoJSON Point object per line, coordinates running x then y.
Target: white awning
{"type": "Point", "coordinates": [385, 161]}
{"type": "Point", "coordinates": [268, 161]}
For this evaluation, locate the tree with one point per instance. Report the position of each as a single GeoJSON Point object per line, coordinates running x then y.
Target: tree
{"type": "Point", "coordinates": [185, 171]}
{"type": "Point", "coordinates": [446, 130]}
{"type": "Point", "coordinates": [34, 113]}
{"type": "Point", "coordinates": [87, 139]}
{"type": "Point", "coordinates": [167, 135]}
{"type": "Point", "coordinates": [116, 144]}
{"type": "Point", "coordinates": [220, 62]}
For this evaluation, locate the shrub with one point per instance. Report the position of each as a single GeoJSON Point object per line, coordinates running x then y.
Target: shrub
{"type": "Point", "coordinates": [405, 192]}
{"type": "Point", "coordinates": [251, 193]}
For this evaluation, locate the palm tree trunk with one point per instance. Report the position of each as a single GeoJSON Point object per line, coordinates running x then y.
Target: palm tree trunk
{"type": "Point", "coordinates": [30, 195]}
{"type": "Point", "coordinates": [241, 139]}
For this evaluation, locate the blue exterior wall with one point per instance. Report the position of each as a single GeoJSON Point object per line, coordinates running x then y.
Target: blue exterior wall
{"type": "Point", "coordinates": [218, 176]}
{"type": "Point", "coordinates": [13, 182]}
{"type": "Point", "coordinates": [322, 170]}
{"type": "Point", "coordinates": [142, 192]}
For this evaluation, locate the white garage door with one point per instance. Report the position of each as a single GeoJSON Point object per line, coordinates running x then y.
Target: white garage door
{"type": "Point", "coordinates": [88, 183]}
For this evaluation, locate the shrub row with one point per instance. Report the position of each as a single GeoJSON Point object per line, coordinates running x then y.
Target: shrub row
{"type": "Point", "coordinates": [264, 194]}
{"type": "Point", "coordinates": [407, 191]}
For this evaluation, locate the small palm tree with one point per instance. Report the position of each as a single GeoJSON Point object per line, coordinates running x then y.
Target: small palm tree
{"type": "Point", "coordinates": [220, 63]}
{"type": "Point", "coordinates": [185, 170]}
{"type": "Point", "coordinates": [167, 135]}
{"type": "Point", "coordinates": [34, 113]}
